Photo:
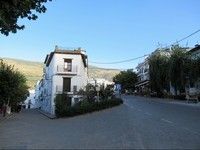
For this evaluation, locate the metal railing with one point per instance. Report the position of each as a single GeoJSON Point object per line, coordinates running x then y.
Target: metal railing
{"type": "Point", "coordinates": [59, 90]}
{"type": "Point", "coordinates": [71, 69]}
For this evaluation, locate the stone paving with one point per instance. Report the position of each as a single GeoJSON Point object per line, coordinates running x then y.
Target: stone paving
{"type": "Point", "coordinates": [138, 123]}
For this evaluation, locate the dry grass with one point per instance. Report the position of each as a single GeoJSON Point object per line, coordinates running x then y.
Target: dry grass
{"type": "Point", "coordinates": [34, 70]}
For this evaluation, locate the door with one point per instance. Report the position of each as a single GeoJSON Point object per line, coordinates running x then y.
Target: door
{"type": "Point", "coordinates": [66, 84]}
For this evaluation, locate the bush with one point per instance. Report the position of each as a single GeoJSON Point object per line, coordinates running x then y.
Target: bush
{"type": "Point", "coordinates": [62, 102]}
{"type": "Point", "coordinates": [179, 97]}
{"type": "Point", "coordinates": [85, 107]}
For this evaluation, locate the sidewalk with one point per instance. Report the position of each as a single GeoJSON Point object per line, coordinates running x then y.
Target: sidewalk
{"type": "Point", "coordinates": [172, 101]}
{"type": "Point", "coordinates": [47, 114]}
{"type": "Point", "coordinates": [6, 117]}
{"type": "Point", "coordinates": [185, 103]}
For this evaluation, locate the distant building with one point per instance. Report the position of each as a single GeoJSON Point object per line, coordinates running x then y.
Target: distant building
{"type": "Point", "coordinates": [100, 82]}
{"type": "Point", "coordinates": [65, 72]}
{"type": "Point", "coordinates": [143, 76]}
{"type": "Point", "coordinates": [143, 71]}
{"type": "Point", "coordinates": [195, 54]}
{"type": "Point", "coordinates": [30, 100]}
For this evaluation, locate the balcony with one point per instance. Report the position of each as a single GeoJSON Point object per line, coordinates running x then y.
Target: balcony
{"type": "Point", "coordinates": [69, 70]}
{"type": "Point", "coordinates": [59, 90]}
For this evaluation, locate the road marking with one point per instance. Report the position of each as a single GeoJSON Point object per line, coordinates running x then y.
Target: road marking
{"type": "Point", "coordinates": [165, 120]}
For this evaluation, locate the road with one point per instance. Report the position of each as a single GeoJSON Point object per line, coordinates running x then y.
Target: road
{"type": "Point", "coordinates": [138, 123]}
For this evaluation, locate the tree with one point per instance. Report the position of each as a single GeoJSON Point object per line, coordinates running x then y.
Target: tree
{"type": "Point", "coordinates": [106, 92]}
{"type": "Point", "coordinates": [12, 10]}
{"type": "Point", "coordinates": [13, 88]}
{"type": "Point", "coordinates": [192, 69]}
{"type": "Point", "coordinates": [89, 93]}
{"type": "Point", "coordinates": [177, 68]}
{"type": "Point", "coordinates": [127, 79]}
{"type": "Point", "coordinates": [159, 73]}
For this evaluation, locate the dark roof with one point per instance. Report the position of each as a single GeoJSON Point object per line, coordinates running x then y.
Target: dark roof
{"type": "Point", "coordinates": [197, 47]}
{"type": "Point", "coordinates": [71, 52]}
{"type": "Point", "coordinates": [46, 58]}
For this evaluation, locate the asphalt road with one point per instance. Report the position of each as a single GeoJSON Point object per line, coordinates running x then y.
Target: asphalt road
{"type": "Point", "coordinates": [138, 123]}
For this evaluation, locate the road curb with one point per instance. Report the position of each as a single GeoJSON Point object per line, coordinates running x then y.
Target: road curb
{"type": "Point", "coordinates": [50, 116]}
{"type": "Point", "coordinates": [6, 117]}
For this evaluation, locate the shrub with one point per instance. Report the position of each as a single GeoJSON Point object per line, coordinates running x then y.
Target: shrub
{"type": "Point", "coordinates": [86, 107]}
{"type": "Point", "coordinates": [62, 102]}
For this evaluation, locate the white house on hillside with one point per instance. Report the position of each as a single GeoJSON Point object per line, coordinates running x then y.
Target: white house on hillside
{"type": "Point", "coordinates": [65, 72]}
{"type": "Point", "coordinates": [100, 82]}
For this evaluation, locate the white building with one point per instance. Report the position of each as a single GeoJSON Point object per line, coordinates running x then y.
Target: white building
{"type": "Point", "coordinates": [30, 100]}
{"type": "Point", "coordinates": [143, 76]}
{"type": "Point", "coordinates": [143, 70]}
{"type": "Point", "coordinates": [195, 54]}
{"type": "Point", "coordinates": [100, 82]}
{"type": "Point", "coordinates": [65, 72]}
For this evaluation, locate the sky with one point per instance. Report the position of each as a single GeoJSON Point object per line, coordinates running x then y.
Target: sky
{"type": "Point", "coordinates": [109, 30]}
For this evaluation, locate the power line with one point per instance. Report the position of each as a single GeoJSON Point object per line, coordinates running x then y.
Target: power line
{"type": "Point", "coordinates": [129, 60]}
{"type": "Point", "coordinates": [185, 37]}
{"type": "Point", "coordinates": [118, 62]}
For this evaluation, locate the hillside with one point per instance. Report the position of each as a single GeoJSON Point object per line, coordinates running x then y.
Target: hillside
{"type": "Point", "coordinates": [33, 70]}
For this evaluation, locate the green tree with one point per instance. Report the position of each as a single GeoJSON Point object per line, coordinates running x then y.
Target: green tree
{"type": "Point", "coordinates": [89, 93]}
{"type": "Point", "coordinates": [159, 73]}
{"type": "Point", "coordinates": [177, 68]}
{"type": "Point", "coordinates": [12, 10]}
{"type": "Point", "coordinates": [127, 79]}
{"type": "Point", "coordinates": [192, 69]}
{"type": "Point", "coordinates": [13, 88]}
{"type": "Point", "coordinates": [106, 92]}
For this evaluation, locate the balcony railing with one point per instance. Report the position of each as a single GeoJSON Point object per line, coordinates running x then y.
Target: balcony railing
{"type": "Point", "coordinates": [71, 69]}
{"type": "Point", "coordinates": [59, 90]}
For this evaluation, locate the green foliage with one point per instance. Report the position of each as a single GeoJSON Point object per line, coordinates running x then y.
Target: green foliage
{"type": "Point", "coordinates": [12, 10]}
{"type": "Point", "coordinates": [13, 88]}
{"type": "Point", "coordinates": [159, 73]}
{"type": "Point", "coordinates": [106, 93]}
{"type": "Point", "coordinates": [86, 107]}
{"type": "Point", "coordinates": [89, 93]}
{"type": "Point", "coordinates": [127, 79]}
{"type": "Point", "coordinates": [193, 69]}
{"type": "Point", "coordinates": [62, 101]}
{"type": "Point", "coordinates": [178, 68]}
{"type": "Point", "coordinates": [177, 65]}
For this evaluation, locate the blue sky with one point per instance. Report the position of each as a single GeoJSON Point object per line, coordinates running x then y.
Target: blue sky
{"type": "Point", "coordinates": [109, 30]}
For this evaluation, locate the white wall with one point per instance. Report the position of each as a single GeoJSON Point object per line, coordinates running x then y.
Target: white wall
{"type": "Point", "coordinates": [31, 98]}
{"type": "Point", "coordinates": [54, 79]}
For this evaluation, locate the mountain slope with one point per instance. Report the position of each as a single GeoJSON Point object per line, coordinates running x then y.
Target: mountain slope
{"type": "Point", "coordinates": [34, 70]}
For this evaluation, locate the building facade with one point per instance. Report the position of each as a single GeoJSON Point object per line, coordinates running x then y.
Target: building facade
{"type": "Point", "coordinates": [143, 84]}
{"type": "Point", "coordinates": [99, 82]}
{"type": "Point", "coordinates": [65, 72]}
{"type": "Point", "coordinates": [195, 85]}
{"type": "Point", "coordinates": [143, 77]}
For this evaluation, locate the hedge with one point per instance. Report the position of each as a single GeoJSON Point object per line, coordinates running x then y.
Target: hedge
{"type": "Point", "coordinates": [84, 106]}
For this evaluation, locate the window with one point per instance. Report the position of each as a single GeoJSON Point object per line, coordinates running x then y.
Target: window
{"type": "Point", "coordinates": [67, 65]}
